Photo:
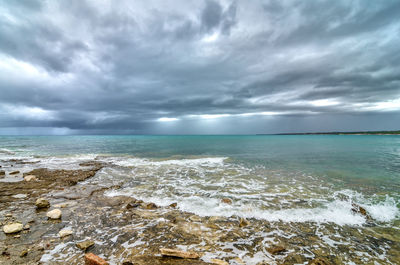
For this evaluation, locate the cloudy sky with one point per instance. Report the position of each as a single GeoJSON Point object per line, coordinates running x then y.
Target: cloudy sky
{"type": "Point", "coordinates": [203, 67]}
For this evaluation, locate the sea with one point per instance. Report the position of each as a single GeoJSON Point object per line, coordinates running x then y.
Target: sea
{"type": "Point", "coordinates": [307, 180]}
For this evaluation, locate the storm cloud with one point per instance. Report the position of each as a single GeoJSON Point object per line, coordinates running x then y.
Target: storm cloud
{"type": "Point", "coordinates": [204, 67]}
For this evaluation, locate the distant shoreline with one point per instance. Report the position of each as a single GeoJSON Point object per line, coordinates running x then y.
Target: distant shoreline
{"type": "Point", "coordinates": [342, 133]}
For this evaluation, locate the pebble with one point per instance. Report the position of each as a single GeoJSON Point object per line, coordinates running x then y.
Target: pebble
{"type": "Point", "coordinates": [226, 200]}
{"type": "Point", "coordinates": [30, 178]}
{"type": "Point", "coordinates": [24, 253]}
{"type": "Point", "coordinates": [54, 214]}
{"type": "Point", "coordinates": [276, 250]}
{"type": "Point", "coordinates": [65, 232]}
{"type": "Point", "coordinates": [243, 222]}
{"type": "Point", "coordinates": [27, 227]}
{"type": "Point", "coordinates": [14, 172]}
{"type": "Point", "coordinates": [85, 244]}
{"type": "Point", "coordinates": [13, 228]}
{"type": "Point", "coordinates": [42, 203]}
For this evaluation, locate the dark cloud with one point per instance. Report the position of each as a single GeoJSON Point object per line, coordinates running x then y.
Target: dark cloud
{"type": "Point", "coordinates": [199, 66]}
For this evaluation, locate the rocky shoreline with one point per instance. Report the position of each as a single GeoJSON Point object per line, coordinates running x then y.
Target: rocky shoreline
{"type": "Point", "coordinates": [58, 221]}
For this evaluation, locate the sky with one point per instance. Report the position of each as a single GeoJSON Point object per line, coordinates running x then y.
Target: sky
{"type": "Point", "coordinates": [198, 67]}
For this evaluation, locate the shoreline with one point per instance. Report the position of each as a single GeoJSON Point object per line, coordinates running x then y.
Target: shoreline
{"type": "Point", "coordinates": [129, 231]}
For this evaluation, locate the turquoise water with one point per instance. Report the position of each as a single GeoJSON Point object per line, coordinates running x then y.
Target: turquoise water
{"type": "Point", "coordinates": [328, 172]}
{"type": "Point", "coordinates": [349, 157]}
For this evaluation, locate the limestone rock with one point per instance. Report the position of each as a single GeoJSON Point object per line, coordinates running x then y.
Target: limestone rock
{"type": "Point", "coordinates": [226, 200]}
{"type": "Point", "coordinates": [319, 261]}
{"type": "Point", "coordinates": [65, 232]}
{"type": "Point", "coordinates": [23, 253]}
{"type": "Point", "coordinates": [92, 259]}
{"type": "Point", "coordinates": [42, 203]}
{"type": "Point", "coordinates": [30, 178]}
{"type": "Point", "coordinates": [276, 250]}
{"type": "Point", "coordinates": [54, 214]}
{"type": "Point", "coordinates": [149, 206]}
{"type": "Point", "coordinates": [243, 222]}
{"type": "Point", "coordinates": [173, 205]}
{"type": "Point", "coordinates": [219, 262]}
{"type": "Point", "coordinates": [179, 253]}
{"type": "Point", "coordinates": [13, 228]}
{"type": "Point", "coordinates": [85, 244]}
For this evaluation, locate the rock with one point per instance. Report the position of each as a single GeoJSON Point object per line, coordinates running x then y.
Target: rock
{"type": "Point", "coordinates": [276, 250]}
{"type": "Point", "coordinates": [243, 222]}
{"type": "Point", "coordinates": [23, 253]}
{"type": "Point", "coordinates": [65, 232]}
{"type": "Point", "coordinates": [30, 178]}
{"type": "Point", "coordinates": [17, 236]}
{"type": "Point", "coordinates": [219, 262]}
{"type": "Point", "coordinates": [2, 172]}
{"type": "Point", "coordinates": [27, 227]}
{"type": "Point", "coordinates": [179, 253]}
{"type": "Point", "coordinates": [195, 218]}
{"type": "Point", "coordinates": [127, 262]}
{"type": "Point", "coordinates": [319, 261]}
{"type": "Point", "coordinates": [173, 205]}
{"type": "Point", "coordinates": [54, 214]}
{"type": "Point", "coordinates": [226, 200]}
{"type": "Point", "coordinates": [8, 215]}
{"type": "Point", "coordinates": [13, 228]}
{"type": "Point", "coordinates": [42, 203]}
{"type": "Point", "coordinates": [358, 209]}
{"type": "Point", "coordinates": [92, 259]}
{"type": "Point", "coordinates": [149, 206]}
{"type": "Point", "coordinates": [132, 205]}
{"type": "Point", "coordinates": [14, 172]}
{"type": "Point", "coordinates": [85, 244]}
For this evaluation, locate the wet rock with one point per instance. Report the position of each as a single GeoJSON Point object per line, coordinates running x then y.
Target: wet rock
{"type": "Point", "coordinates": [179, 253]}
{"type": "Point", "coordinates": [195, 218]}
{"type": "Point", "coordinates": [54, 214]}
{"type": "Point", "coordinates": [14, 172]}
{"type": "Point", "coordinates": [92, 259]}
{"type": "Point", "coordinates": [276, 250]}
{"type": "Point", "coordinates": [13, 228]}
{"type": "Point", "coordinates": [243, 222]}
{"type": "Point", "coordinates": [42, 203]}
{"type": "Point", "coordinates": [65, 232]}
{"type": "Point", "coordinates": [219, 262]}
{"type": "Point", "coordinates": [84, 245]}
{"type": "Point", "coordinates": [27, 227]}
{"type": "Point", "coordinates": [319, 261]}
{"type": "Point", "coordinates": [2, 172]}
{"type": "Point", "coordinates": [8, 215]}
{"type": "Point", "coordinates": [358, 209]}
{"type": "Point", "coordinates": [132, 205]}
{"type": "Point", "coordinates": [24, 253]}
{"type": "Point", "coordinates": [149, 206]}
{"type": "Point", "coordinates": [30, 178]}
{"type": "Point", "coordinates": [226, 200]}
{"type": "Point", "coordinates": [173, 205]}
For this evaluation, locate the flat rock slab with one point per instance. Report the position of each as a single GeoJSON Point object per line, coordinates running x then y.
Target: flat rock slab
{"type": "Point", "coordinates": [92, 259]}
{"type": "Point", "coordinates": [153, 260]}
{"type": "Point", "coordinates": [179, 253]}
{"type": "Point", "coordinates": [85, 244]}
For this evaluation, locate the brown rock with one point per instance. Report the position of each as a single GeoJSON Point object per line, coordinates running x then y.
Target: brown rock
{"type": "Point", "coordinates": [226, 200]}
{"type": "Point", "coordinates": [149, 206]}
{"type": "Point", "coordinates": [276, 250]}
{"type": "Point", "coordinates": [173, 205]}
{"type": "Point", "coordinates": [132, 205]}
{"type": "Point", "coordinates": [2, 172]}
{"type": "Point", "coordinates": [179, 253]}
{"type": "Point", "coordinates": [320, 261]}
{"type": "Point", "coordinates": [14, 172]}
{"type": "Point", "coordinates": [42, 203]}
{"type": "Point", "coordinates": [30, 178]}
{"type": "Point", "coordinates": [92, 259]}
{"type": "Point", "coordinates": [243, 222]}
{"type": "Point", "coordinates": [23, 253]}
{"type": "Point", "coordinates": [219, 262]}
{"type": "Point", "coordinates": [85, 244]}
{"type": "Point", "coordinates": [358, 209]}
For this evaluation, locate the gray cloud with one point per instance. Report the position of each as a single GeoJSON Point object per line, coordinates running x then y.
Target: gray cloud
{"type": "Point", "coordinates": [199, 66]}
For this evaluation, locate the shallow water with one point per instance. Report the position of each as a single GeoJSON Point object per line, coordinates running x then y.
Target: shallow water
{"type": "Point", "coordinates": [294, 184]}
